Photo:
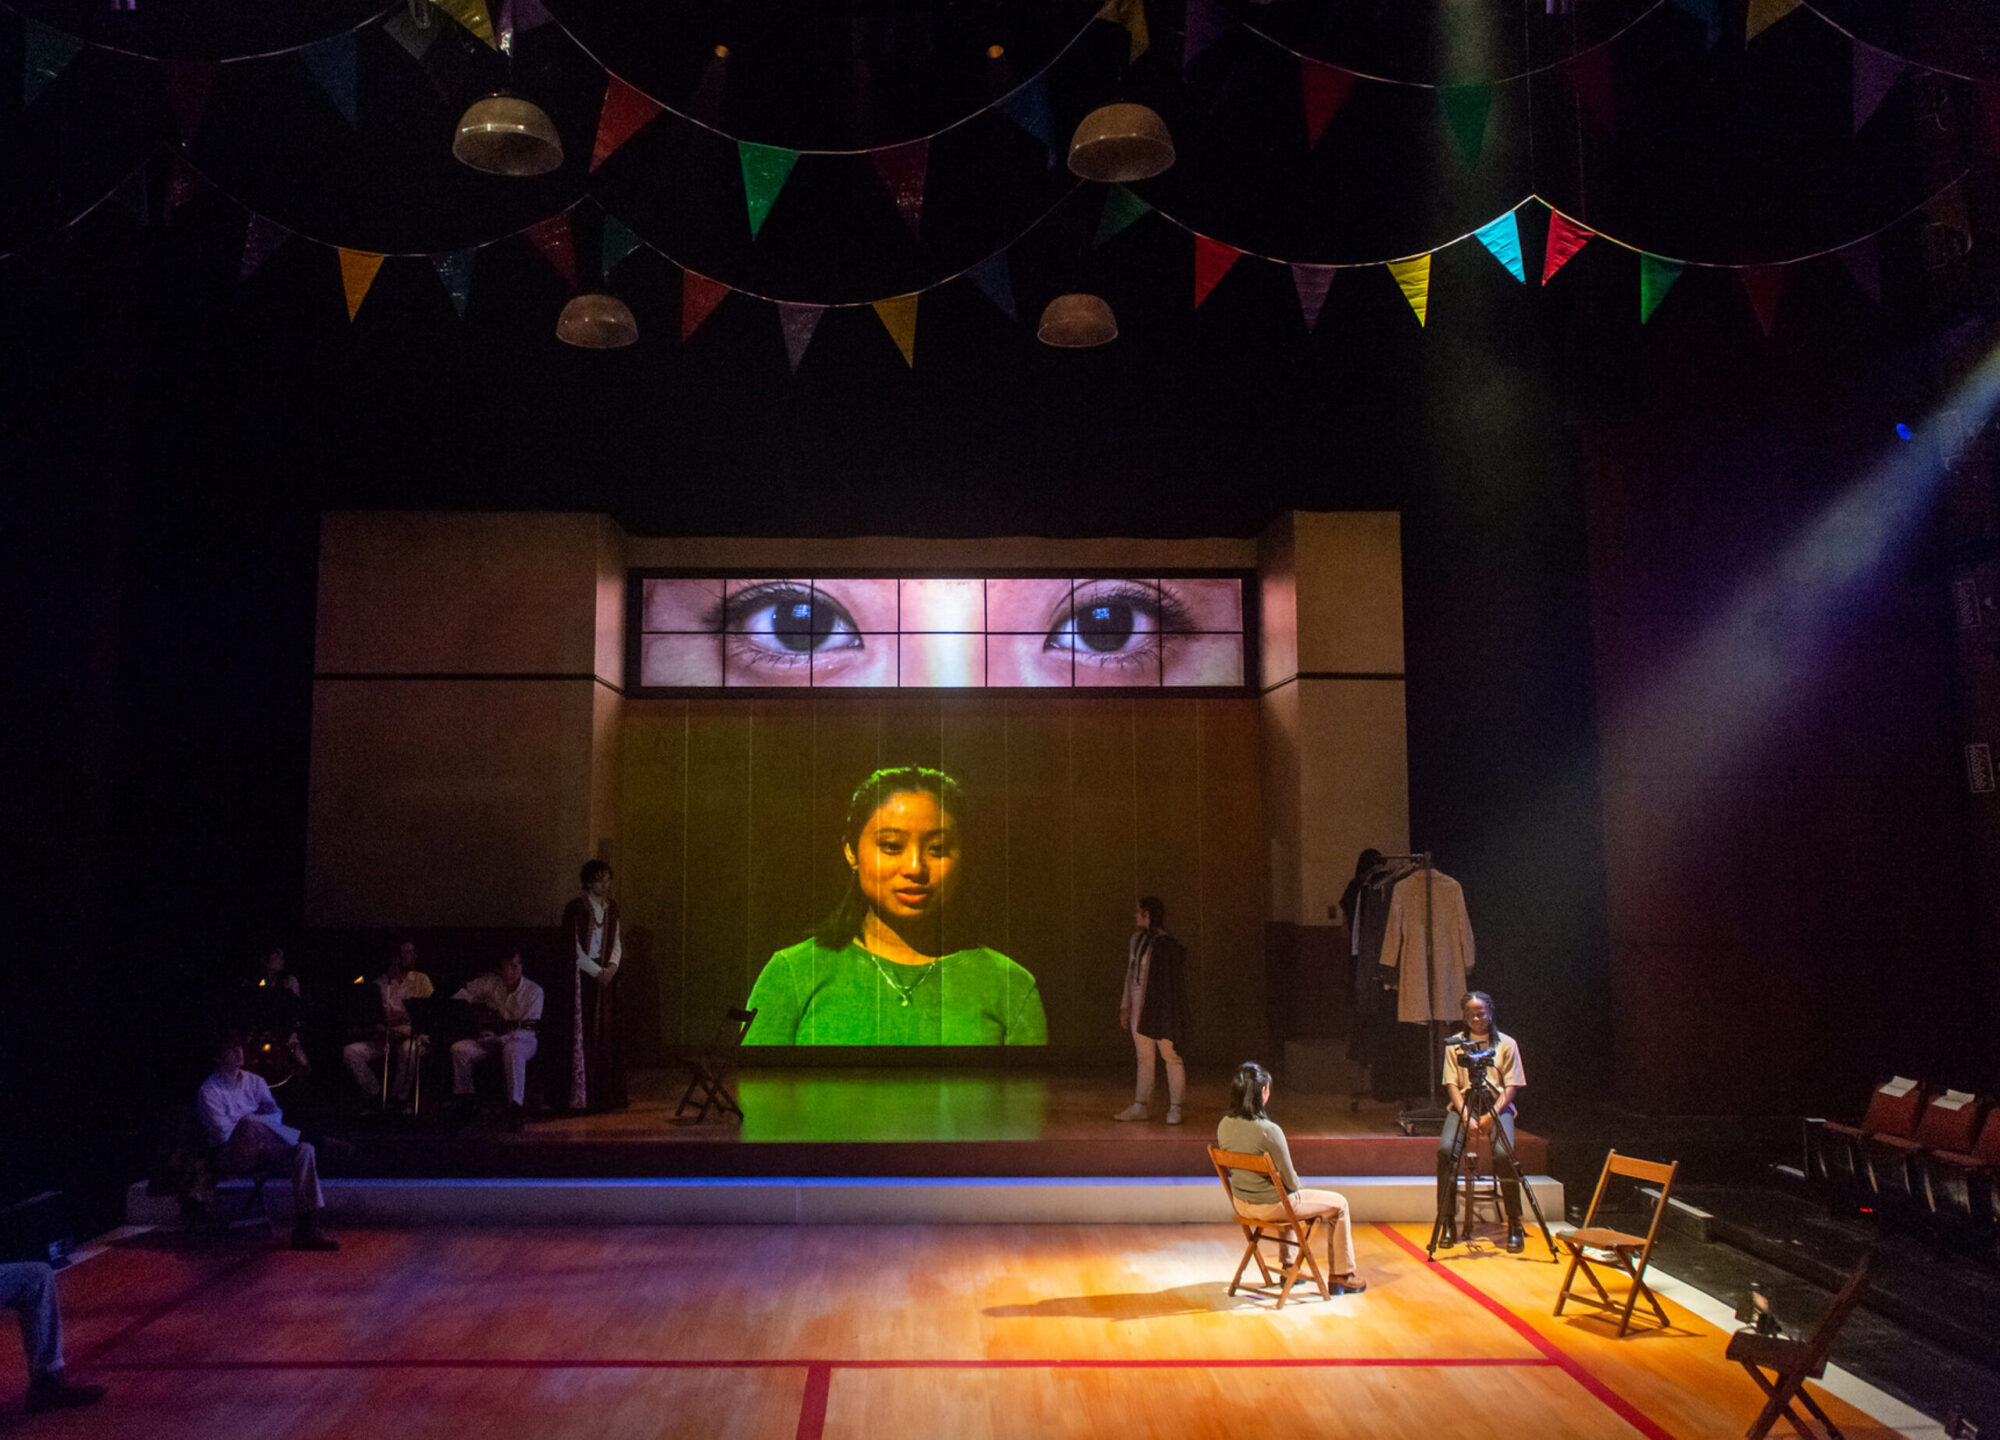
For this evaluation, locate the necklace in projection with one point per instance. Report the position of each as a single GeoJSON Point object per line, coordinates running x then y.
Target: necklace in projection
{"type": "Point", "coordinates": [902, 991]}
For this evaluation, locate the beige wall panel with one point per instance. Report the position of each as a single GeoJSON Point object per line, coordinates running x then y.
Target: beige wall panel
{"type": "Point", "coordinates": [1226, 959]}
{"type": "Point", "coordinates": [1355, 792]}
{"type": "Point", "coordinates": [652, 757]}
{"type": "Point", "coordinates": [609, 648]}
{"type": "Point", "coordinates": [455, 802]}
{"type": "Point", "coordinates": [1103, 871]}
{"type": "Point", "coordinates": [1278, 711]}
{"type": "Point", "coordinates": [1278, 603]}
{"type": "Point", "coordinates": [1350, 592]}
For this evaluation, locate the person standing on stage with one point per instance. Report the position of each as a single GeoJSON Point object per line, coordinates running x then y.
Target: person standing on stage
{"type": "Point", "coordinates": [1153, 1008]}
{"type": "Point", "coordinates": [506, 1012]}
{"type": "Point", "coordinates": [1247, 1130]}
{"type": "Point", "coordinates": [250, 1137]}
{"type": "Point", "coordinates": [1504, 1080]}
{"type": "Point", "coordinates": [597, 1060]}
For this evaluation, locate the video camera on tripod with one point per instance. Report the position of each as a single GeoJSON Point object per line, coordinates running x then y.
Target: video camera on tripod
{"type": "Point", "coordinates": [1477, 1059]}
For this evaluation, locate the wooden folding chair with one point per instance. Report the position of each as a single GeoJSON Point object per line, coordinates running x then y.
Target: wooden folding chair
{"type": "Point", "coordinates": [1628, 1254]}
{"type": "Point", "coordinates": [1298, 1228]}
{"type": "Point", "coordinates": [710, 1071]}
{"type": "Point", "coordinates": [1793, 1362]}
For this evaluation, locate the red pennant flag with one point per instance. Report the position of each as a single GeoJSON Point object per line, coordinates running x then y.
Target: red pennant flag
{"type": "Point", "coordinates": [552, 237]}
{"type": "Point", "coordinates": [1590, 80]}
{"type": "Point", "coordinates": [1762, 283]}
{"type": "Point", "coordinates": [187, 83]}
{"type": "Point", "coordinates": [699, 296]}
{"type": "Point", "coordinates": [1323, 89]}
{"type": "Point", "coordinates": [1566, 237]}
{"type": "Point", "coordinates": [902, 168]}
{"type": "Point", "coordinates": [626, 112]}
{"type": "Point", "coordinates": [1212, 260]}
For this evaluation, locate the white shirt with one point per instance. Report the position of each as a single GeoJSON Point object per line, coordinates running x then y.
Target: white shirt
{"type": "Point", "coordinates": [521, 1005]}
{"type": "Point", "coordinates": [224, 1103]}
{"type": "Point", "coordinates": [590, 957]}
{"type": "Point", "coordinates": [396, 988]}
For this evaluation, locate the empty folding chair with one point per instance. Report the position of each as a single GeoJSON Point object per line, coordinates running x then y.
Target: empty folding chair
{"type": "Point", "coordinates": [1593, 1245]}
{"type": "Point", "coordinates": [1793, 1362]}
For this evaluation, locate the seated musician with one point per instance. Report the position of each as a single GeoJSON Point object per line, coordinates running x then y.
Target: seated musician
{"type": "Point", "coordinates": [388, 1040]}
{"type": "Point", "coordinates": [506, 1012]}
{"type": "Point", "coordinates": [249, 1136]}
{"type": "Point", "coordinates": [277, 1049]}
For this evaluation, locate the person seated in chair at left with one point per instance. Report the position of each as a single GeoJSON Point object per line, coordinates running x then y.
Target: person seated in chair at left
{"type": "Point", "coordinates": [249, 1136]}
{"type": "Point", "coordinates": [1504, 1080]}
{"type": "Point", "coordinates": [1247, 1130]}
{"type": "Point", "coordinates": [506, 1012]}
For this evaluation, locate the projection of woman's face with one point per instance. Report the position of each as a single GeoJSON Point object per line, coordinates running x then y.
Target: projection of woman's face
{"type": "Point", "coordinates": [943, 633]}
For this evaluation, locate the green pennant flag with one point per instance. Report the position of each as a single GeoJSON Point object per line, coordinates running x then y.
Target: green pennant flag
{"type": "Point", "coordinates": [765, 170]}
{"type": "Point", "coordinates": [1121, 208]}
{"type": "Point", "coordinates": [46, 54]}
{"type": "Point", "coordinates": [619, 241]}
{"type": "Point", "coordinates": [1656, 277]}
{"type": "Point", "coordinates": [1465, 110]}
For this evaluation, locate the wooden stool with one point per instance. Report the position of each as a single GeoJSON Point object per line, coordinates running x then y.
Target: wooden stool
{"type": "Point", "coordinates": [1478, 1186]}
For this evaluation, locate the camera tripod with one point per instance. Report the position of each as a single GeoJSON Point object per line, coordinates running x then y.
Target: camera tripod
{"type": "Point", "coordinates": [1479, 1105]}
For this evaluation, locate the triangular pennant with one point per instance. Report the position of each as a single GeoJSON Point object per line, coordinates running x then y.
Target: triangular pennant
{"type": "Point", "coordinates": [1708, 14]}
{"type": "Point", "coordinates": [454, 270]}
{"type": "Point", "coordinates": [1131, 15]}
{"type": "Point", "coordinates": [46, 53]}
{"type": "Point", "coordinates": [332, 64]}
{"type": "Point", "coordinates": [1762, 283]}
{"type": "Point", "coordinates": [1863, 260]}
{"type": "Point", "coordinates": [1212, 260]}
{"type": "Point", "coordinates": [620, 240]}
{"type": "Point", "coordinates": [899, 318]}
{"type": "Point", "coordinates": [1566, 237]}
{"type": "Point", "coordinates": [1028, 108]}
{"type": "Point", "coordinates": [529, 15]}
{"type": "Point", "coordinates": [261, 239]}
{"type": "Point", "coordinates": [1322, 90]}
{"type": "Point", "coordinates": [765, 170]}
{"type": "Point", "coordinates": [995, 280]}
{"type": "Point", "coordinates": [1312, 282]}
{"type": "Point", "coordinates": [626, 112]}
{"type": "Point", "coordinates": [1763, 14]}
{"type": "Point", "coordinates": [1502, 239]}
{"type": "Point", "coordinates": [184, 185]}
{"type": "Point", "coordinates": [131, 197]}
{"type": "Point", "coordinates": [1656, 277]}
{"type": "Point", "coordinates": [1875, 72]}
{"type": "Point", "coordinates": [798, 323]}
{"type": "Point", "coordinates": [1465, 111]}
{"type": "Point", "coordinates": [1413, 278]}
{"type": "Point", "coordinates": [699, 297]}
{"type": "Point", "coordinates": [1206, 20]}
{"type": "Point", "coordinates": [414, 29]}
{"type": "Point", "coordinates": [1121, 208]}
{"type": "Point", "coordinates": [187, 83]}
{"type": "Point", "coordinates": [1590, 80]}
{"type": "Point", "coordinates": [902, 169]}
{"type": "Point", "coordinates": [357, 273]}
{"type": "Point", "coordinates": [558, 246]}
{"type": "Point", "coordinates": [474, 16]}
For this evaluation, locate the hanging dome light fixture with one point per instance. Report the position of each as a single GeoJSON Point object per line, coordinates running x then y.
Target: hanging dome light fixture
{"type": "Point", "coordinates": [1121, 143]}
{"type": "Point", "coordinates": [1077, 322]}
{"type": "Point", "coordinates": [503, 134]}
{"type": "Point", "coordinates": [597, 321]}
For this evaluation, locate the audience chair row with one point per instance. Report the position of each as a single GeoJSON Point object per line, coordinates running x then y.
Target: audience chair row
{"type": "Point", "coordinates": [1917, 1151]}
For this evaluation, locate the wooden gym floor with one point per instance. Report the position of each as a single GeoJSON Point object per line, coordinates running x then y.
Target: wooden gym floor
{"type": "Point", "coordinates": [872, 1332]}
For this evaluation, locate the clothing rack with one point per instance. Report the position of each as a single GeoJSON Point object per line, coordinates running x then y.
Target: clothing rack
{"type": "Point", "coordinates": [1426, 1117]}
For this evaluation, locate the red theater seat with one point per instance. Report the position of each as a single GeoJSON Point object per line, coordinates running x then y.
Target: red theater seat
{"type": "Point", "coordinates": [1950, 1122]}
{"type": "Point", "coordinates": [1960, 1185]}
{"type": "Point", "coordinates": [1894, 1109]}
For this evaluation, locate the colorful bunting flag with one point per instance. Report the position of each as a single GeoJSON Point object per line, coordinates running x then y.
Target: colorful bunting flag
{"type": "Point", "coordinates": [1028, 108]}
{"type": "Point", "coordinates": [454, 272]}
{"type": "Point", "coordinates": [1322, 90]}
{"type": "Point", "coordinates": [626, 112]}
{"type": "Point", "coordinates": [528, 15]}
{"type": "Point", "coordinates": [1763, 14]}
{"type": "Point", "coordinates": [699, 297]}
{"type": "Point", "coordinates": [1413, 278]}
{"type": "Point", "coordinates": [331, 63]}
{"type": "Point", "coordinates": [899, 318]}
{"type": "Point", "coordinates": [1121, 208]}
{"type": "Point", "coordinates": [902, 168]}
{"type": "Point", "coordinates": [1762, 283]}
{"type": "Point", "coordinates": [1656, 277]}
{"type": "Point", "coordinates": [46, 54]}
{"type": "Point", "coordinates": [620, 240]}
{"type": "Point", "coordinates": [1863, 260]}
{"type": "Point", "coordinates": [474, 16]}
{"type": "Point", "coordinates": [1566, 237]}
{"type": "Point", "coordinates": [1596, 94]}
{"type": "Point", "coordinates": [1875, 73]}
{"type": "Point", "coordinates": [1708, 13]}
{"type": "Point", "coordinates": [187, 83]}
{"type": "Point", "coordinates": [184, 184]}
{"type": "Point", "coordinates": [765, 170]}
{"type": "Point", "coordinates": [1502, 239]}
{"type": "Point", "coordinates": [261, 239]}
{"type": "Point", "coordinates": [995, 280]}
{"type": "Point", "coordinates": [1131, 16]}
{"type": "Point", "coordinates": [798, 323]}
{"type": "Point", "coordinates": [558, 246]}
{"type": "Point", "coordinates": [1465, 111]}
{"type": "Point", "coordinates": [357, 273]}
{"type": "Point", "coordinates": [1206, 20]}
{"type": "Point", "coordinates": [414, 29]}
{"type": "Point", "coordinates": [1212, 260]}
{"type": "Point", "coordinates": [1312, 282]}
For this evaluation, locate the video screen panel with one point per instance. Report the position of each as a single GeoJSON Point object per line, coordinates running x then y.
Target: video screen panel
{"type": "Point", "coordinates": [952, 632]}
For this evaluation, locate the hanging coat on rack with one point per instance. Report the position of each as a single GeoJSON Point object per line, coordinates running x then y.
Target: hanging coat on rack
{"type": "Point", "coordinates": [1450, 930]}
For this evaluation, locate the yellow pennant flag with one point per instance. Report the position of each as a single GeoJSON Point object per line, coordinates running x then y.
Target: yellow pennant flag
{"type": "Point", "coordinates": [357, 273]}
{"type": "Point", "coordinates": [899, 318]}
{"type": "Point", "coordinates": [1414, 276]}
{"type": "Point", "coordinates": [1764, 14]}
{"type": "Point", "coordinates": [473, 15]}
{"type": "Point", "coordinates": [1131, 14]}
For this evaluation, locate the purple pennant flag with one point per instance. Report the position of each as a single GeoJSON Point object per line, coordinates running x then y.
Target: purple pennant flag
{"type": "Point", "coordinates": [1029, 109]}
{"type": "Point", "coordinates": [996, 282]}
{"type": "Point", "coordinates": [1863, 260]}
{"type": "Point", "coordinates": [332, 64]}
{"type": "Point", "coordinates": [454, 270]}
{"type": "Point", "coordinates": [1875, 71]}
{"type": "Point", "coordinates": [529, 15]}
{"type": "Point", "coordinates": [1206, 20]}
{"type": "Point", "coordinates": [261, 240]}
{"type": "Point", "coordinates": [799, 322]}
{"type": "Point", "coordinates": [1312, 282]}
{"type": "Point", "coordinates": [184, 184]}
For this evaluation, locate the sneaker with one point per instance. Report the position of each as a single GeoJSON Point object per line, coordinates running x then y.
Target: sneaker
{"type": "Point", "coordinates": [312, 1238]}
{"type": "Point", "coordinates": [1173, 1114]}
{"type": "Point", "coordinates": [1134, 1111]}
{"type": "Point", "coordinates": [1348, 1285]}
{"type": "Point", "coordinates": [53, 1392]}
{"type": "Point", "coordinates": [1516, 1241]}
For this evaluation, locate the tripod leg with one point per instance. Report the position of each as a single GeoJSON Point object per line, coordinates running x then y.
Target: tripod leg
{"type": "Point", "coordinates": [1447, 1202]}
{"type": "Point", "coordinates": [1505, 1148]}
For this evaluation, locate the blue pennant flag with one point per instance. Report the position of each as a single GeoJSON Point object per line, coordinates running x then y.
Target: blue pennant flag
{"type": "Point", "coordinates": [1503, 238]}
{"type": "Point", "coordinates": [1029, 108]}
{"type": "Point", "coordinates": [995, 280]}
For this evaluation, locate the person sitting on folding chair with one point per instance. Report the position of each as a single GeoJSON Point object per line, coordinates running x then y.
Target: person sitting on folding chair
{"type": "Point", "coordinates": [1247, 1130]}
{"type": "Point", "coordinates": [389, 1039]}
{"type": "Point", "coordinates": [506, 1012]}
{"type": "Point", "coordinates": [1504, 1080]}
{"type": "Point", "coordinates": [249, 1136]}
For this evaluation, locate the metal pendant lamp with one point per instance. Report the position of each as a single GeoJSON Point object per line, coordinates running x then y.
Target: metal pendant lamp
{"type": "Point", "coordinates": [1121, 143]}
{"type": "Point", "coordinates": [503, 134]}
{"type": "Point", "coordinates": [1077, 322]}
{"type": "Point", "coordinates": [597, 322]}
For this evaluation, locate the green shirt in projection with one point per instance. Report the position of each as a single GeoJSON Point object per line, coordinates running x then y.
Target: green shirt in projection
{"type": "Point", "coordinates": [810, 995]}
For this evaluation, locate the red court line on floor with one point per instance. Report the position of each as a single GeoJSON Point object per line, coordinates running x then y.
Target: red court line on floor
{"type": "Point", "coordinates": [812, 1412]}
{"type": "Point", "coordinates": [166, 1307]}
{"type": "Point", "coordinates": [1570, 1366]}
{"type": "Point", "coordinates": [1278, 1362]}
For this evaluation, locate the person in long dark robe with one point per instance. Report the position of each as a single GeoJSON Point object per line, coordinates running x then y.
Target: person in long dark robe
{"type": "Point", "coordinates": [597, 1059]}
